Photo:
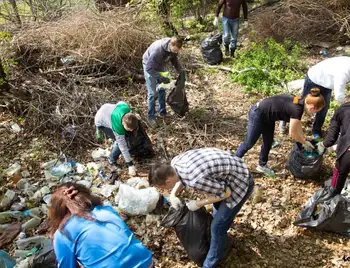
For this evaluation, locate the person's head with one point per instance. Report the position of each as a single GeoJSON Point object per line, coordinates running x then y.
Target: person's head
{"type": "Point", "coordinates": [162, 176]}
{"type": "Point", "coordinates": [70, 199]}
{"type": "Point", "coordinates": [130, 122]}
{"type": "Point", "coordinates": [314, 102]}
{"type": "Point", "coordinates": [175, 44]}
{"type": "Point", "coordinates": [346, 99]}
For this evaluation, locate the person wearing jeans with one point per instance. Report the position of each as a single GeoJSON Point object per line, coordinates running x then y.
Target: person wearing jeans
{"type": "Point", "coordinates": [115, 120]}
{"type": "Point", "coordinates": [263, 115]}
{"type": "Point", "coordinates": [158, 54]}
{"type": "Point", "coordinates": [230, 22]}
{"type": "Point", "coordinates": [221, 175]}
{"type": "Point", "coordinates": [339, 132]}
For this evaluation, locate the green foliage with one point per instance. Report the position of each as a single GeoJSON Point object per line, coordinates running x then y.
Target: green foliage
{"type": "Point", "coordinates": [268, 65]}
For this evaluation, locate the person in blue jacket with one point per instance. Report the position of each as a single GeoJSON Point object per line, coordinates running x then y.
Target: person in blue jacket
{"type": "Point", "coordinates": [86, 232]}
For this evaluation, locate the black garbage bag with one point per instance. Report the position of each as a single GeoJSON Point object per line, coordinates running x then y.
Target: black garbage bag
{"type": "Point", "coordinates": [139, 143]}
{"type": "Point", "coordinates": [304, 165]}
{"type": "Point", "coordinates": [193, 230]}
{"type": "Point", "coordinates": [45, 258]}
{"type": "Point", "coordinates": [326, 213]}
{"type": "Point", "coordinates": [211, 49]}
{"type": "Point", "coordinates": [177, 99]}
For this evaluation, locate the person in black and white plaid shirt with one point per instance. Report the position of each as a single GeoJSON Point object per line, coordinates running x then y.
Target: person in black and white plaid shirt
{"type": "Point", "coordinates": [218, 173]}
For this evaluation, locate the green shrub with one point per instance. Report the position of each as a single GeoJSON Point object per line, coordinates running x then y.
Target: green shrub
{"type": "Point", "coordinates": [263, 67]}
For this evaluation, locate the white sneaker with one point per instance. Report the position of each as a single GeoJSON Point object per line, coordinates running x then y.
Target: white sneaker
{"type": "Point", "coordinates": [265, 170]}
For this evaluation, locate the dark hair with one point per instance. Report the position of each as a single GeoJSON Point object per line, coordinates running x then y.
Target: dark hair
{"type": "Point", "coordinates": [69, 197]}
{"type": "Point", "coordinates": [315, 98]}
{"type": "Point", "coordinates": [176, 41]}
{"type": "Point", "coordinates": [159, 173]}
{"type": "Point", "coordinates": [131, 121]}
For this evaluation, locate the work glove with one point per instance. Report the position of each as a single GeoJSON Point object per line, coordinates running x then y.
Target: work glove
{"type": "Point", "coordinates": [132, 170]}
{"type": "Point", "coordinates": [164, 80]}
{"type": "Point", "coordinates": [175, 202]}
{"type": "Point", "coordinates": [308, 146]}
{"type": "Point", "coordinates": [193, 205]}
{"type": "Point", "coordinates": [320, 148]}
{"type": "Point", "coordinates": [216, 21]}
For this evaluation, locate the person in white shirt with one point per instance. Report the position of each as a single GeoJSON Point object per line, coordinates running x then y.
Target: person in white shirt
{"type": "Point", "coordinates": [332, 73]}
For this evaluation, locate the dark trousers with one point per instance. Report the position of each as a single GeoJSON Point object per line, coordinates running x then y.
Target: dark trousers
{"type": "Point", "coordinates": [256, 127]}
{"type": "Point", "coordinates": [321, 115]}
{"type": "Point", "coordinates": [341, 172]}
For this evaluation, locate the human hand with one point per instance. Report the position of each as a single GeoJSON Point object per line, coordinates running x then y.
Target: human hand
{"type": "Point", "coordinates": [216, 21]}
{"type": "Point", "coordinates": [320, 148]}
{"type": "Point", "coordinates": [193, 205]}
{"type": "Point", "coordinates": [132, 170]}
{"type": "Point", "coordinates": [308, 146]}
{"type": "Point", "coordinates": [175, 202]}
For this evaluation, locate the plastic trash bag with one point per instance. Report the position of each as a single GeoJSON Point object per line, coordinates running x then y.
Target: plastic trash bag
{"type": "Point", "coordinates": [45, 258]}
{"type": "Point", "coordinates": [139, 143]}
{"type": "Point", "coordinates": [136, 201]}
{"type": "Point", "coordinates": [326, 213]}
{"type": "Point", "coordinates": [304, 165]}
{"type": "Point", "coordinates": [193, 230]}
{"type": "Point", "coordinates": [211, 50]}
{"type": "Point", "coordinates": [177, 99]}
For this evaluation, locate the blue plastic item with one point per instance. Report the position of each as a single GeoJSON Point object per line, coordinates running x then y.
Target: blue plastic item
{"type": "Point", "coordinates": [62, 169]}
{"type": "Point", "coordinates": [6, 261]}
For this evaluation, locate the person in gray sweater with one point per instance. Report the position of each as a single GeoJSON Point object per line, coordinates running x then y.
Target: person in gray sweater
{"type": "Point", "coordinates": [158, 54]}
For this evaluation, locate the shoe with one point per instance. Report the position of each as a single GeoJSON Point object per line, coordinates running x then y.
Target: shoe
{"type": "Point", "coordinates": [265, 170]}
{"type": "Point", "coordinates": [164, 115]}
{"type": "Point", "coordinates": [227, 51]}
{"type": "Point", "coordinates": [316, 136]}
{"type": "Point", "coordinates": [152, 123]}
{"type": "Point", "coordinates": [232, 54]}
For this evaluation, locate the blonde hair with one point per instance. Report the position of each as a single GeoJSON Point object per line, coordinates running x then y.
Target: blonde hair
{"type": "Point", "coordinates": [315, 98]}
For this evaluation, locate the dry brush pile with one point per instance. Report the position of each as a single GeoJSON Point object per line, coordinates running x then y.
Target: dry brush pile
{"type": "Point", "coordinates": [67, 68]}
{"type": "Point", "coordinates": [305, 20]}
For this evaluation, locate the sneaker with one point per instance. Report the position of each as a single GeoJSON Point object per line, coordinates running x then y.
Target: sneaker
{"type": "Point", "coordinates": [152, 123]}
{"type": "Point", "coordinates": [265, 170]}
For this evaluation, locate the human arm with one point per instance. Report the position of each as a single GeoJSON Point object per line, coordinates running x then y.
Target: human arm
{"type": "Point", "coordinates": [333, 131]}
{"type": "Point", "coordinates": [175, 201]}
{"type": "Point", "coordinates": [296, 131]}
{"type": "Point", "coordinates": [218, 8]}
{"type": "Point", "coordinates": [245, 9]}
{"type": "Point", "coordinates": [197, 204]}
{"type": "Point", "coordinates": [154, 60]}
{"type": "Point", "coordinates": [176, 63]}
{"type": "Point", "coordinates": [123, 147]}
{"type": "Point", "coordinates": [64, 252]}
{"type": "Point", "coordinates": [340, 87]}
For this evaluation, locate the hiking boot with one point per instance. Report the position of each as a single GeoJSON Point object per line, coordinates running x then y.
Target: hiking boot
{"type": "Point", "coordinates": [232, 54]}
{"type": "Point", "coordinates": [265, 170]}
{"type": "Point", "coordinates": [227, 51]}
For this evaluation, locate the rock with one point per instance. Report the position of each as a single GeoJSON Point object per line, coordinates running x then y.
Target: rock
{"type": "Point", "coordinates": [257, 194]}
{"type": "Point", "coordinates": [16, 167]}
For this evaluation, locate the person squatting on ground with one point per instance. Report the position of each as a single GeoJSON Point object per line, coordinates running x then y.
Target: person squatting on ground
{"type": "Point", "coordinates": [158, 54]}
{"type": "Point", "coordinates": [230, 22]}
{"type": "Point", "coordinates": [263, 115]}
{"type": "Point", "coordinates": [212, 171]}
{"type": "Point", "coordinates": [339, 130]}
{"type": "Point", "coordinates": [332, 73]}
{"type": "Point", "coordinates": [85, 231]}
{"type": "Point", "coordinates": [114, 120]}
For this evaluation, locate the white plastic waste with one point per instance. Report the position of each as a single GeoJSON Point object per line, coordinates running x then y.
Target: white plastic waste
{"type": "Point", "coordinates": [295, 86]}
{"type": "Point", "coordinates": [7, 198]}
{"type": "Point", "coordinates": [13, 169]}
{"type": "Point", "coordinates": [136, 201]}
{"type": "Point", "coordinates": [50, 164]}
{"type": "Point", "coordinates": [41, 193]}
{"type": "Point", "coordinates": [137, 183]}
{"type": "Point", "coordinates": [99, 153]}
{"type": "Point", "coordinates": [108, 189]}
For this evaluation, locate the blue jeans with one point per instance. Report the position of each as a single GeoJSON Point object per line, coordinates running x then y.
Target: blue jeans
{"type": "Point", "coordinates": [321, 115]}
{"type": "Point", "coordinates": [152, 89]}
{"type": "Point", "coordinates": [230, 32]}
{"type": "Point", "coordinates": [222, 221]}
{"type": "Point", "coordinates": [256, 127]}
{"type": "Point", "coordinates": [115, 151]}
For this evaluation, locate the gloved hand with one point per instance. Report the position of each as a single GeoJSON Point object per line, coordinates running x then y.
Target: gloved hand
{"type": "Point", "coordinates": [132, 170]}
{"type": "Point", "coordinates": [216, 21]}
{"type": "Point", "coordinates": [164, 80]}
{"type": "Point", "coordinates": [175, 202]}
{"type": "Point", "coordinates": [320, 148]}
{"type": "Point", "coordinates": [308, 146]}
{"type": "Point", "coordinates": [193, 205]}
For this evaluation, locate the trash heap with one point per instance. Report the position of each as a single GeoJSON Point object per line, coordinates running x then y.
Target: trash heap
{"type": "Point", "coordinates": [26, 200]}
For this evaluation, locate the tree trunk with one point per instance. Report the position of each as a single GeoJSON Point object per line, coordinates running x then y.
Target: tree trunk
{"type": "Point", "coordinates": [4, 85]}
{"type": "Point", "coordinates": [163, 10]}
{"type": "Point", "coordinates": [15, 11]}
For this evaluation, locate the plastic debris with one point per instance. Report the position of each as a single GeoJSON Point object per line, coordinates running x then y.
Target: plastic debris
{"type": "Point", "coordinates": [32, 223]}
{"type": "Point", "coordinates": [107, 190]}
{"type": "Point", "coordinates": [16, 128]}
{"type": "Point", "coordinates": [137, 183]}
{"type": "Point", "coordinates": [80, 168]}
{"type": "Point", "coordinates": [50, 164]}
{"type": "Point", "coordinates": [41, 193]}
{"type": "Point", "coordinates": [25, 174]}
{"type": "Point", "coordinates": [8, 216]}
{"type": "Point", "coordinates": [35, 241]}
{"type": "Point", "coordinates": [16, 167]}
{"type": "Point", "coordinates": [47, 199]}
{"type": "Point", "coordinates": [99, 153]}
{"type": "Point", "coordinates": [85, 183]}
{"type": "Point", "coordinates": [6, 261]}
{"type": "Point", "coordinates": [7, 199]}
{"type": "Point", "coordinates": [61, 170]}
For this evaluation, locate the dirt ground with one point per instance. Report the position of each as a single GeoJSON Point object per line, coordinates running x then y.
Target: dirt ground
{"type": "Point", "coordinates": [263, 230]}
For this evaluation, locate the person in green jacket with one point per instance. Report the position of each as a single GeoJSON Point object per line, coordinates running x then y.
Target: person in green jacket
{"type": "Point", "coordinates": [114, 120]}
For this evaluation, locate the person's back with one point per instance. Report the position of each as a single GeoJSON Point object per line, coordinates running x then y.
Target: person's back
{"type": "Point", "coordinates": [103, 115]}
{"type": "Point", "coordinates": [105, 241]}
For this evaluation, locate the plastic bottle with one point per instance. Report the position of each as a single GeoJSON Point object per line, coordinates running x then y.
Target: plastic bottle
{"type": "Point", "coordinates": [7, 199]}
{"type": "Point", "coordinates": [61, 169]}
{"type": "Point", "coordinates": [34, 213]}
{"type": "Point", "coordinates": [32, 223]}
{"type": "Point", "coordinates": [7, 216]}
{"type": "Point", "coordinates": [12, 169]}
{"type": "Point", "coordinates": [30, 242]}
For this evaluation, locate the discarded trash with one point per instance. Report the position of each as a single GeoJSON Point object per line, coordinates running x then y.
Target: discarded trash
{"type": "Point", "coordinates": [32, 223]}
{"type": "Point", "coordinates": [137, 183]}
{"type": "Point", "coordinates": [47, 199]}
{"type": "Point", "coordinates": [80, 168]}
{"type": "Point", "coordinates": [16, 128]}
{"type": "Point", "coordinates": [31, 242]}
{"type": "Point", "coordinates": [67, 60]}
{"type": "Point", "coordinates": [12, 170]}
{"type": "Point", "coordinates": [136, 201]}
{"type": "Point", "coordinates": [8, 216]}
{"type": "Point", "coordinates": [211, 49]}
{"type": "Point", "coordinates": [258, 195]}
{"type": "Point", "coordinates": [295, 86]}
{"type": "Point", "coordinates": [22, 185]}
{"type": "Point", "coordinates": [99, 153]}
{"type": "Point", "coordinates": [324, 52]}
{"type": "Point", "coordinates": [10, 233]}
{"type": "Point", "coordinates": [6, 261]}
{"type": "Point", "coordinates": [85, 183]}
{"type": "Point", "coordinates": [25, 174]}
{"type": "Point", "coordinates": [34, 212]}
{"type": "Point", "coordinates": [41, 193]}
{"type": "Point", "coordinates": [7, 199]}
{"type": "Point", "coordinates": [18, 206]}
{"type": "Point", "coordinates": [275, 144]}
{"type": "Point", "coordinates": [108, 189]}
{"type": "Point", "coordinates": [50, 164]}
{"type": "Point", "coordinates": [49, 177]}
{"type": "Point", "coordinates": [62, 169]}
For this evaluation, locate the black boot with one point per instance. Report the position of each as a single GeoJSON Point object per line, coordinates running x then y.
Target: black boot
{"type": "Point", "coordinates": [227, 51]}
{"type": "Point", "coordinates": [232, 54]}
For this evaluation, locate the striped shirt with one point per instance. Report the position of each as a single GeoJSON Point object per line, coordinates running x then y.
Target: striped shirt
{"type": "Point", "coordinates": [211, 171]}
